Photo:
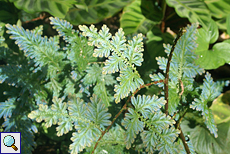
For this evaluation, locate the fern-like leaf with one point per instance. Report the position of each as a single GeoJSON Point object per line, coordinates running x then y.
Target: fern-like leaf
{"type": "Point", "coordinates": [210, 90]}
{"type": "Point", "coordinates": [147, 104]}
{"type": "Point", "coordinates": [44, 51]}
{"type": "Point", "coordinates": [160, 131]}
{"type": "Point", "coordinates": [97, 112]}
{"type": "Point", "coordinates": [7, 107]}
{"type": "Point", "coordinates": [182, 67]}
{"type": "Point", "coordinates": [129, 81]}
{"type": "Point", "coordinates": [124, 57]}
{"type": "Point", "coordinates": [133, 125]}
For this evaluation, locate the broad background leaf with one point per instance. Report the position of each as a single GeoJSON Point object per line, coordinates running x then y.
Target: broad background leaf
{"type": "Point", "coordinates": [194, 10]}
{"type": "Point", "coordinates": [95, 11]}
{"type": "Point", "coordinates": [55, 7]}
{"type": "Point", "coordinates": [133, 19]}
{"type": "Point", "coordinates": [215, 57]}
{"type": "Point", "coordinates": [155, 43]}
{"type": "Point", "coordinates": [220, 108]}
{"type": "Point", "coordinates": [204, 142]}
{"type": "Point", "coordinates": [219, 10]}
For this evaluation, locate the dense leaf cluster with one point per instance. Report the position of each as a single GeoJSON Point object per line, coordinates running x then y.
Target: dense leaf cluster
{"type": "Point", "coordinates": [69, 84]}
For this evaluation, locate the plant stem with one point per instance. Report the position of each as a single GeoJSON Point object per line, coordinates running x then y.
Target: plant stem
{"type": "Point", "coordinates": [184, 141]}
{"type": "Point", "coordinates": [167, 70]}
{"type": "Point", "coordinates": [123, 108]}
{"type": "Point", "coordinates": [114, 119]}
{"type": "Point", "coordinates": [163, 6]}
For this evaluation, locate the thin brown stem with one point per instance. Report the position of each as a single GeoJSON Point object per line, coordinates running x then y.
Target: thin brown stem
{"type": "Point", "coordinates": [182, 87]}
{"type": "Point", "coordinates": [114, 119]}
{"type": "Point", "coordinates": [167, 70]}
{"type": "Point", "coordinates": [122, 109]}
{"type": "Point", "coordinates": [184, 141]}
{"type": "Point", "coordinates": [41, 17]}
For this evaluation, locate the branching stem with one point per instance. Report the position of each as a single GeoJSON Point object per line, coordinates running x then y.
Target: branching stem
{"type": "Point", "coordinates": [122, 109]}
{"type": "Point", "coordinates": [167, 69]}
{"type": "Point", "coordinates": [114, 119]}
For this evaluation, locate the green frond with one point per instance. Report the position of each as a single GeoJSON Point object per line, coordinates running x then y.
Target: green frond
{"type": "Point", "coordinates": [160, 121]}
{"type": "Point", "coordinates": [133, 125]}
{"type": "Point", "coordinates": [101, 40]}
{"type": "Point", "coordinates": [43, 51]}
{"type": "Point", "coordinates": [7, 107]}
{"type": "Point", "coordinates": [129, 82]}
{"type": "Point", "coordinates": [94, 74]}
{"type": "Point", "coordinates": [97, 112]}
{"type": "Point", "coordinates": [183, 58]}
{"type": "Point", "coordinates": [38, 30]}
{"type": "Point", "coordinates": [14, 75]}
{"type": "Point", "coordinates": [157, 77]}
{"type": "Point", "coordinates": [113, 64]}
{"type": "Point", "coordinates": [64, 126]}
{"type": "Point", "coordinates": [54, 85]}
{"type": "Point", "coordinates": [210, 90]}
{"type": "Point", "coordinates": [84, 137]}
{"type": "Point", "coordinates": [123, 54]}
{"type": "Point", "coordinates": [63, 27]}
{"type": "Point", "coordinates": [78, 51]}
{"type": "Point", "coordinates": [134, 49]}
{"type": "Point", "coordinates": [95, 77]}
{"type": "Point", "coordinates": [43, 113]}
{"type": "Point", "coordinates": [146, 104]}
{"type": "Point", "coordinates": [102, 92]}
{"type": "Point", "coordinates": [76, 108]}
{"type": "Point", "coordinates": [182, 68]}
{"type": "Point", "coordinates": [112, 142]}
{"type": "Point", "coordinates": [162, 141]}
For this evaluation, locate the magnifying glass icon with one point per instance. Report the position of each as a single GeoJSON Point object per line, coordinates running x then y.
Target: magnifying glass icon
{"type": "Point", "coordinates": [9, 141]}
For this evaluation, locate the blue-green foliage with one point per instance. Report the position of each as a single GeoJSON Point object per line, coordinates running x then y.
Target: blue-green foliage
{"type": "Point", "coordinates": [210, 90]}
{"type": "Point", "coordinates": [43, 70]}
{"type": "Point", "coordinates": [182, 67]}
{"type": "Point", "coordinates": [160, 133]}
{"type": "Point", "coordinates": [183, 70]}
{"type": "Point", "coordinates": [124, 57]}
{"type": "Point", "coordinates": [71, 88]}
{"type": "Point", "coordinates": [87, 118]}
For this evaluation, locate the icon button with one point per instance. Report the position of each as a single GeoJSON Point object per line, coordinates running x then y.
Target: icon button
{"type": "Point", "coordinates": [10, 142]}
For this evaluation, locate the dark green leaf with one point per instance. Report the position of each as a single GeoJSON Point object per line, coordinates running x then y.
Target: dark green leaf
{"type": "Point", "coordinates": [194, 10]}
{"type": "Point", "coordinates": [133, 21]}
{"type": "Point", "coordinates": [95, 11]}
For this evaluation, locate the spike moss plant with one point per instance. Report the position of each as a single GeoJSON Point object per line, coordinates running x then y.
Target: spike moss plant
{"type": "Point", "coordinates": [76, 86]}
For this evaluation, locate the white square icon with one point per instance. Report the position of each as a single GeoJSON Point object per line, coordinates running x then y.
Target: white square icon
{"type": "Point", "coordinates": [10, 142]}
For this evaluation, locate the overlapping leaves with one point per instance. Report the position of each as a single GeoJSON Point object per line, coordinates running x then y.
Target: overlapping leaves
{"type": "Point", "coordinates": [124, 57]}
{"type": "Point", "coordinates": [182, 67]}
{"type": "Point", "coordinates": [159, 133]}
{"type": "Point", "coordinates": [88, 119]}
{"type": "Point", "coordinates": [210, 90]}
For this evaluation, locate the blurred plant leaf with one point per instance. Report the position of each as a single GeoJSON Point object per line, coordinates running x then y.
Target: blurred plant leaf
{"type": "Point", "coordinates": [155, 43]}
{"type": "Point", "coordinates": [55, 7]}
{"type": "Point", "coordinates": [94, 11]}
{"type": "Point", "coordinates": [228, 24]}
{"type": "Point", "coordinates": [215, 57]}
{"type": "Point", "coordinates": [221, 110]}
{"type": "Point", "coordinates": [135, 18]}
{"type": "Point", "coordinates": [194, 10]}
{"type": "Point", "coordinates": [204, 142]}
{"type": "Point", "coordinates": [218, 8]}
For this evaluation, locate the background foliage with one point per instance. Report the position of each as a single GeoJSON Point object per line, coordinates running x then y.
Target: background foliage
{"type": "Point", "coordinates": [41, 76]}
